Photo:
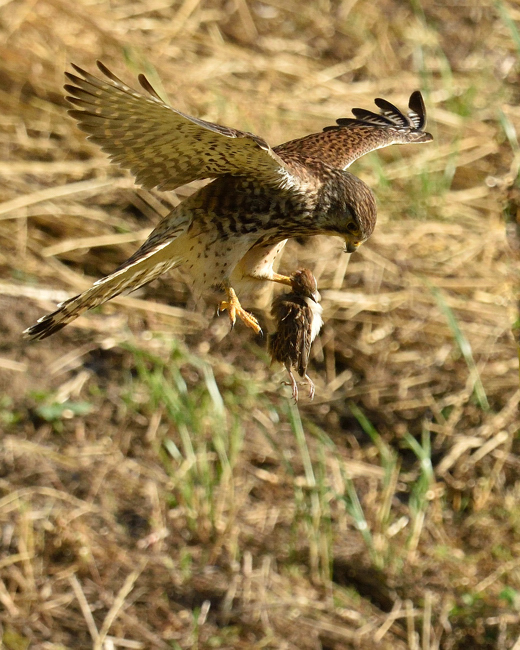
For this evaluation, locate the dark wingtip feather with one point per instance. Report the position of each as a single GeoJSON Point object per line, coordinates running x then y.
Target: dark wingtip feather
{"type": "Point", "coordinates": [416, 102]}
{"type": "Point", "coordinates": [416, 105]}
{"type": "Point", "coordinates": [148, 87]}
{"type": "Point", "coordinates": [374, 118]}
{"type": "Point", "coordinates": [109, 74]}
{"type": "Point", "coordinates": [73, 78]}
{"type": "Point", "coordinates": [390, 116]}
{"type": "Point", "coordinates": [102, 67]}
{"type": "Point", "coordinates": [385, 105]}
{"type": "Point", "coordinates": [42, 329]}
{"type": "Point", "coordinates": [70, 89]}
{"type": "Point", "coordinates": [78, 70]}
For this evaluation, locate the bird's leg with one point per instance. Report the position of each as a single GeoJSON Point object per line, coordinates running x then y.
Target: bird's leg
{"type": "Point", "coordinates": [282, 279]}
{"type": "Point", "coordinates": [294, 386]}
{"type": "Point", "coordinates": [234, 308]}
{"type": "Point", "coordinates": [292, 383]}
{"type": "Point", "coordinates": [312, 388]}
{"type": "Point", "coordinates": [270, 277]}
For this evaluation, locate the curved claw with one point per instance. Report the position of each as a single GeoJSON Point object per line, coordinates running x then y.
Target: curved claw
{"type": "Point", "coordinates": [312, 387]}
{"type": "Point", "coordinates": [234, 309]}
{"type": "Point", "coordinates": [294, 385]}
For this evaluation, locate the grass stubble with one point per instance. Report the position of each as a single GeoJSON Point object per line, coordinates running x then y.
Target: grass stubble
{"type": "Point", "coordinates": [158, 489]}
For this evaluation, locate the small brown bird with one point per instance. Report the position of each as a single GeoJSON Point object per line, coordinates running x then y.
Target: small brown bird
{"type": "Point", "coordinates": [229, 233]}
{"type": "Point", "coordinates": [298, 320]}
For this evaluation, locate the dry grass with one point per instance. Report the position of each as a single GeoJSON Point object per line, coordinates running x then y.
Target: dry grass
{"type": "Point", "coordinates": [158, 490]}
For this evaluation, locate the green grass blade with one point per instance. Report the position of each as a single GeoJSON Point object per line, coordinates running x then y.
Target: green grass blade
{"type": "Point", "coordinates": [464, 347]}
{"type": "Point", "coordinates": [297, 427]}
{"type": "Point", "coordinates": [510, 24]}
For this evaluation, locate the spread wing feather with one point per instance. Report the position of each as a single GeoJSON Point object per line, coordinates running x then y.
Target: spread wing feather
{"type": "Point", "coordinates": [161, 146]}
{"type": "Point", "coordinates": [340, 145]}
{"type": "Point", "coordinates": [165, 148]}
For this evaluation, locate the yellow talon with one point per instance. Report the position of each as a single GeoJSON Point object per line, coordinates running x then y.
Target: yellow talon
{"type": "Point", "coordinates": [234, 309]}
{"type": "Point", "coordinates": [282, 279]}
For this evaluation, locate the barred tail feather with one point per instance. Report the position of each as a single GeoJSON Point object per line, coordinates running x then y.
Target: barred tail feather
{"type": "Point", "coordinates": [128, 277]}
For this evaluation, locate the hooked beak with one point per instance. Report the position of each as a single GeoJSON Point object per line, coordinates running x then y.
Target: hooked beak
{"type": "Point", "coordinates": [316, 296]}
{"type": "Point", "coordinates": [351, 246]}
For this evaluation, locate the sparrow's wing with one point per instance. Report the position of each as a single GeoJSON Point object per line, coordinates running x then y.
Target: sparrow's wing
{"type": "Point", "coordinates": [303, 343]}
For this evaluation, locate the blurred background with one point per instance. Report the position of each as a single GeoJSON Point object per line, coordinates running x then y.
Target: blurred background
{"type": "Point", "coordinates": [159, 489]}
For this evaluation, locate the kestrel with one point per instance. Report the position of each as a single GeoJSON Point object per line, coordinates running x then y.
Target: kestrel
{"type": "Point", "coordinates": [229, 233]}
{"type": "Point", "coordinates": [298, 320]}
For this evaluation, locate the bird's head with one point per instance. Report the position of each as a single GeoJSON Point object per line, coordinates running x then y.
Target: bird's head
{"type": "Point", "coordinates": [348, 209]}
{"type": "Point", "coordinates": [304, 284]}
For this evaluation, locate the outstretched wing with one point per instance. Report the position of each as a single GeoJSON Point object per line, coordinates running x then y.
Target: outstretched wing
{"type": "Point", "coordinates": [339, 146]}
{"type": "Point", "coordinates": [161, 146]}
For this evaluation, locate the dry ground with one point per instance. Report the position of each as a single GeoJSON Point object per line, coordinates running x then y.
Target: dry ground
{"type": "Point", "coordinates": [158, 489]}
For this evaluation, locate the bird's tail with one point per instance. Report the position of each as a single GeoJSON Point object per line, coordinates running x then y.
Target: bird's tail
{"type": "Point", "coordinates": [138, 270]}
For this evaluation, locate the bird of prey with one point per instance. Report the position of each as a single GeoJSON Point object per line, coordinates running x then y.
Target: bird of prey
{"type": "Point", "coordinates": [229, 233]}
{"type": "Point", "coordinates": [298, 320]}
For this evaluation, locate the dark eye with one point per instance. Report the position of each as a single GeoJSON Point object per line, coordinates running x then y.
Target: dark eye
{"type": "Point", "coordinates": [352, 228]}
